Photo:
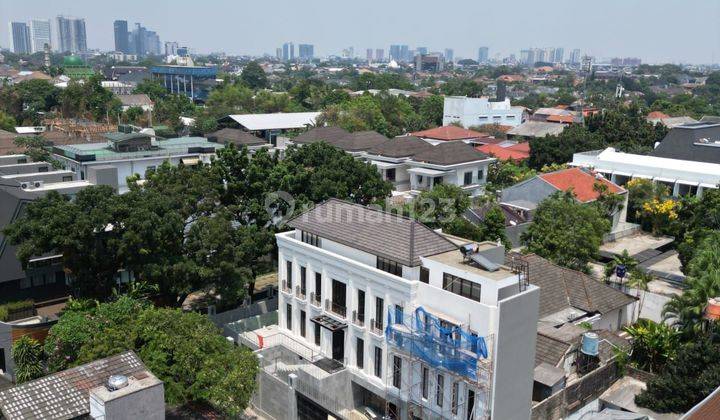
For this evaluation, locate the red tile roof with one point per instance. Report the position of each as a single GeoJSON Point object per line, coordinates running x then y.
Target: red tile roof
{"type": "Point", "coordinates": [580, 182]}
{"type": "Point", "coordinates": [561, 119]}
{"type": "Point", "coordinates": [657, 115]}
{"type": "Point", "coordinates": [516, 152]}
{"type": "Point", "coordinates": [448, 133]}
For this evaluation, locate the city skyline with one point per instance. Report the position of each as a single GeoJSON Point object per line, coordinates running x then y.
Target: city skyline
{"type": "Point", "coordinates": [599, 34]}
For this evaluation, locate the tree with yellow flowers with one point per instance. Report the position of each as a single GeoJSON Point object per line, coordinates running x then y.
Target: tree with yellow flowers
{"type": "Point", "coordinates": [660, 212]}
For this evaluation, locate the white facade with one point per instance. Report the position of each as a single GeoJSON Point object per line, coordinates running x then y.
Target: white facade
{"type": "Point", "coordinates": [479, 111]}
{"type": "Point", "coordinates": [681, 176]}
{"type": "Point", "coordinates": [39, 35]}
{"type": "Point", "coordinates": [504, 379]}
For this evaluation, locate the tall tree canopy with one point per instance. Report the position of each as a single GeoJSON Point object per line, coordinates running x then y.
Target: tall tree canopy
{"type": "Point", "coordinates": [253, 76]}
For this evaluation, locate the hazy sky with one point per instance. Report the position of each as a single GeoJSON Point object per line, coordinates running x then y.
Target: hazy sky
{"type": "Point", "coordinates": [654, 30]}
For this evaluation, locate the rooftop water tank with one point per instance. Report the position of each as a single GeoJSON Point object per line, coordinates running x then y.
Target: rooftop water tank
{"type": "Point", "coordinates": [712, 311]}
{"type": "Point", "coordinates": [590, 344]}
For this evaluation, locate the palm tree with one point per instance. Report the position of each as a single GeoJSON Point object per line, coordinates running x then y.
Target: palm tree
{"type": "Point", "coordinates": [624, 259]}
{"type": "Point", "coordinates": [639, 281]}
{"type": "Point", "coordinates": [654, 345]}
{"type": "Point", "coordinates": [27, 356]}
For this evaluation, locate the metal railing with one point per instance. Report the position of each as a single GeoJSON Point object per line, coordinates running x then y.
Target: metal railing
{"type": "Point", "coordinates": [315, 300]}
{"type": "Point", "coordinates": [299, 292]}
{"type": "Point", "coordinates": [376, 327]}
{"type": "Point", "coordinates": [335, 308]}
{"type": "Point", "coordinates": [358, 319]}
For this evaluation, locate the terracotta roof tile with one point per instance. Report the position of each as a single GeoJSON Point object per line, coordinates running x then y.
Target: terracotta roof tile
{"type": "Point", "coordinates": [449, 133]}
{"type": "Point", "coordinates": [518, 152]}
{"type": "Point", "coordinates": [581, 183]}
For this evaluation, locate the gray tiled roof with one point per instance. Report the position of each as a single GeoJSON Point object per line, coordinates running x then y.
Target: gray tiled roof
{"type": "Point", "coordinates": [360, 141]}
{"type": "Point", "coordinates": [374, 231]}
{"type": "Point", "coordinates": [549, 350]}
{"type": "Point", "coordinates": [65, 395]}
{"type": "Point", "coordinates": [450, 153]}
{"type": "Point", "coordinates": [235, 136]}
{"type": "Point", "coordinates": [318, 134]}
{"type": "Point", "coordinates": [562, 288]}
{"type": "Point", "coordinates": [679, 143]}
{"type": "Point", "coordinates": [403, 146]}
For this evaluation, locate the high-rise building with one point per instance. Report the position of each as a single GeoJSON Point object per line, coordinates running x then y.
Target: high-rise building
{"type": "Point", "coordinates": [288, 51]}
{"type": "Point", "coordinates": [306, 52]}
{"type": "Point", "coordinates": [559, 55]}
{"type": "Point", "coordinates": [278, 53]}
{"type": "Point", "coordinates": [395, 52]}
{"type": "Point", "coordinates": [20, 37]}
{"type": "Point", "coordinates": [421, 50]}
{"type": "Point", "coordinates": [71, 35]}
{"type": "Point", "coordinates": [575, 56]}
{"type": "Point", "coordinates": [143, 42]}
{"type": "Point", "coordinates": [369, 55]}
{"type": "Point", "coordinates": [379, 55]}
{"type": "Point", "coordinates": [483, 54]}
{"type": "Point", "coordinates": [449, 55]}
{"type": "Point", "coordinates": [39, 34]}
{"type": "Point", "coordinates": [171, 48]}
{"type": "Point", "coordinates": [120, 28]}
{"type": "Point", "coordinates": [405, 54]}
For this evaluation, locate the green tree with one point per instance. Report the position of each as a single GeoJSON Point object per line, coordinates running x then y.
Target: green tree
{"type": "Point", "coordinates": [566, 232]}
{"type": "Point", "coordinates": [253, 76]}
{"type": "Point", "coordinates": [698, 219]}
{"type": "Point", "coordinates": [654, 345]}
{"type": "Point", "coordinates": [185, 350]}
{"type": "Point", "coordinates": [229, 99]}
{"type": "Point", "coordinates": [431, 110]}
{"type": "Point", "coordinates": [7, 122]}
{"type": "Point", "coordinates": [441, 205]}
{"type": "Point", "coordinates": [27, 354]}
{"type": "Point", "coordinates": [36, 147]}
{"type": "Point", "coordinates": [151, 88]}
{"type": "Point", "coordinates": [624, 259]}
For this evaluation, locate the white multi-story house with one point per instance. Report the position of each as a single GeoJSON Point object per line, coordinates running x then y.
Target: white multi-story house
{"type": "Point", "coordinates": [380, 315]}
{"type": "Point", "coordinates": [480, 111]}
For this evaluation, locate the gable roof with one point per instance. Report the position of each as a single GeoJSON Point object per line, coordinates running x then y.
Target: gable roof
{"type": "Point", "coordinates": [317, 134]}
{"type": "Point", "coordinates": [65, 395]}
{"type": "Point", "coordinates": [450, 153]}
{"type": "Point", "coordinates": [562, 288]}
{"type": "Point", "coordinates": [517, 152]}
{"type": "Point", "coordinates": [235, 136]}
{"type": "Point", "coordinates": [402, 146]}
{"type": "Point", "coordinates": [698, 142]}
{"type": "Point", "coordinates": [581, 182]}
{"type": "Point", "coordinates": [374, 231]}
{"type": "Point", "coordinates": [477, 214]}
{"type": "Point", "coordinates": [449, 133]}
{"type": "Point", "coordinates": [135, 99]}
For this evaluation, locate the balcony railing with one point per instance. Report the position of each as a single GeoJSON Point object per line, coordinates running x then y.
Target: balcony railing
{"type": "Point", "coordinates": [315, 300]}
{"type": "Point", "coordinates": [299, 292]}
{"type": "Point", "coordinates": [358, 319]}
{"type": "Point", "coordinates": [376, 327]}
{"type": "Point", "coordinates": [335, 308]}
{"type": "Point", "coordinates": [285, 287]}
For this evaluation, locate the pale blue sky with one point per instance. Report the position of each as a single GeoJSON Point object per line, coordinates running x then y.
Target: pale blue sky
{"type": "Point", "coordinates": [655, 30]}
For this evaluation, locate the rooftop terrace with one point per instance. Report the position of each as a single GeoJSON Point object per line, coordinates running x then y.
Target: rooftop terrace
{"type": "Point", "coordinates": [170, 147]}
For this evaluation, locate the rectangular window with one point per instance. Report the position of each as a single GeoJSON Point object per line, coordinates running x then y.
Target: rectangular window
{"type": "Point", "coordinates": [288, 317]}
{"type": "Point", "coordinates": [455, 395]}
{"type": "Point", "coordinates": [425, 385]}
{"type": "Point", "coordinates": [317, 334]}
{"type": "Point", "coordinates": [481, 175]}
{"type": "Point", "coordinates": [440, 390]}
{"type": "Point", "coordinates": [361, 306]}
{"type": "Point", "coordinates": [311, 239]}
{"type": "Point", "coordinates": [379, 312]}
{"type": "Point", "coordinates": [437, 180]}
{"type": "Point", "coordinates": [288, 273]}
{"type": "Point", "coordinates": [419, 179]}
{"type": "Point", "coordinates": [390, 174]}
{"type": "Point", "coordinates": [424, 275]}
{"type": "Point", "coordinates": [67, 178]}
{"type": "Point", "coordinates": [318, 286]}
{"type": "Point", "coordinates": [43, 169]}
{"type": "Point", "coordinates": [378, 362]}
{"type": "Point", "coordinates": [360, 353]}
{"type": "Point", "coordinates": [302, 323]}
{"type": "Point", "coordinates": [397, 371]}
{"type": "Point", "coordinates": [398, 314]}
{"type": "Point", "coordinates": [467, 178]}
{"type": "Point", "coordinates": [302, 280]}
{"type": "Point", "coordinates": [461, 287]}
{"type": "Point", "coordinates": [389, 266]}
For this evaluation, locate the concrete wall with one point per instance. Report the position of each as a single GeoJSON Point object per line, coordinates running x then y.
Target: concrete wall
{"type": "Point", "coordinates": [515, 355]}
{"type": "Point", "coordinates": [272, 396]}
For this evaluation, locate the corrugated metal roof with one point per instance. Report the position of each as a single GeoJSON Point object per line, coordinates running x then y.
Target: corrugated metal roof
{"type": "Point", "coordinates": [277, 121]}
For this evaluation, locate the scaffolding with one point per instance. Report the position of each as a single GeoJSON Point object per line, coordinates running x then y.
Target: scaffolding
{"type": "Point", "coordinates": [427, 342]}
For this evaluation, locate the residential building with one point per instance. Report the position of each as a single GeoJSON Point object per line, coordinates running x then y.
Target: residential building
{"type": "Point", "coordinates": [445, 133]}
{"type": "Point", "coordinates": [479, 111]}
{"type": "Point", "coordinates": [379, 55]}
{"type": "Point", "coordinates": [413, 165]}
{"type": "Point", "coordinates": [40, 35]}
{"type": "Point", "coordinates": [270, 126]}
{"type": "Point", "coordinates": [288, 51]}
{"type": "Point", "coordinates": [137, 100]}
{"type": "Point", "coordinates": [527, 195]}
{"type": "Point", "coordinates": [434, 62]}
{"type": "Point", "coordinates": [194, 82]}
{"type": "Point", "coordinates": [144, 42]}
{"type": "Point", "coordinates": [24, 181]}
{"type": "Point", "coordinates": [369, 55]}
{"type": "Point", "coordinates": [507, 151]}
{"type": "Point", "coordinates": [71, 35]}
{"type": "Point", "coordinates": [369, 300]}
{"type": "Point", "coordinates": [116, 387]}
{"type": "Point", "coordinates": [356, 143]}
{"type": "Point", "coordinates": [306, 52]}
{"type": "Point", "coordinates": [449, 55]}
{"type": "Point", "coordinates": [556, 115]}
{"type": "Point", "coordinates": [575, 57]}
{"type": "Point", "coordinates": [278, 53]}
{"type": "Point", "coordinates": [559, 55]}
{"type": "Point", "coordinates": [395, 53]}
{"type": "Point", "coordinates": [171, 48]}
{"type": "Point", "coordinates": [127, 153]}
{"type": "Point", "coordinates": [535, 129]}
{"type": "Point", "coordinates": [239, 138]}
{"type": "Point", "coordinates": [516, 222]}
{"type": "Point", "coordinates": [20, 37]}
{"type": "Point", "coordinates": [483, 54]}
{"type": "Point", "coordinates": [122, 36]}
{"type": "Point", "coordinates": [687, 160]}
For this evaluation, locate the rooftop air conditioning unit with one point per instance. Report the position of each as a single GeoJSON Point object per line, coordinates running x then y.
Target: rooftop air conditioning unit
{"type": "Point", "coordinates": [24, 185]}
{"type": "Point", "coordinates": [38, 184]}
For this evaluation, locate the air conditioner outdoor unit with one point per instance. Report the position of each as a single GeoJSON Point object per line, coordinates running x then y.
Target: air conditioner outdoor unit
{"type": "Point", "coordinates": [24, 185]}
{"type": "Point", "coordinates": [38, 184]}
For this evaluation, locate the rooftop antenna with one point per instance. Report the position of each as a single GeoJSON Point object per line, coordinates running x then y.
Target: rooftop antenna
{"type": "Point", "coordinates": [587, 67]}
